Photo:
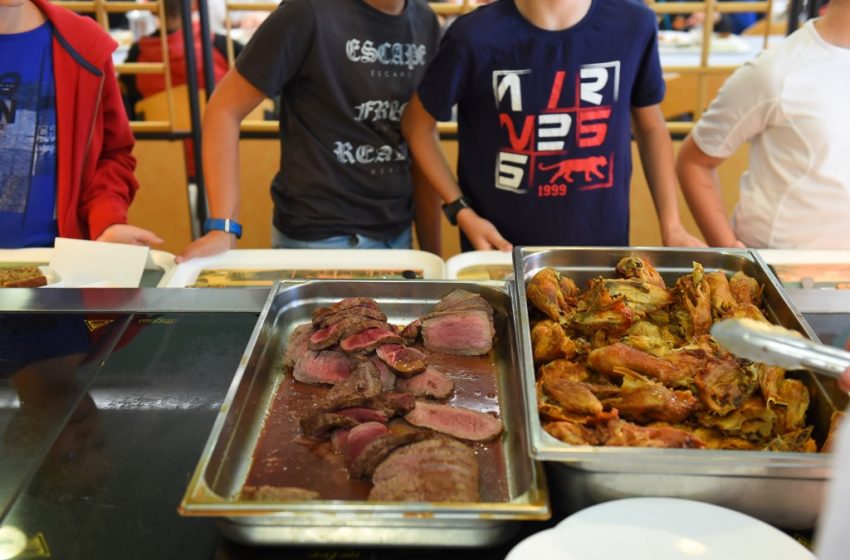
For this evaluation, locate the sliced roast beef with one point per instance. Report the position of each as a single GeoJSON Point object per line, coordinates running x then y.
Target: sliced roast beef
{"type": "Point", "coordinates": [378, 449]}
{"type": "Point", "coordinates": [362, 414]}
{"type": "Point", "coordinates": [393, 403]}
{"type": "Point", "coordinates": [330, 335]}
{"type": "Point", "coordinates": [411, 332]}
{"type": "Point", "coordinates": [360, 437]}
{"type": "Point", "coordinates": [435, 470]}
{"type": "Point", "coordinates": [296, 346]}
{"type": "Point", "coordinates": [462, 423]}
{"type": "Point", "coordinates": [403, 359]}
{"type": "Point", "coordinates": [327, 366]}
{"type": "Point", "coordinates": [350, 313]}
{"type": "Point", "coordinates": [366, 341]}
{"type": "Point", "coordinates": [460, 300]}
{"type": "Point", "coordinates": [466, 333]}
{"type": "Point", "coordinates": [321, 424]}
{"type": "Point", "coordinates": [430, 383]}
{"type": "Point", "coordinates": [387, 376]}
{"type": "Point", "coordinates": [320, 312]}
{"type": "Point", "coordinates": [362, 384]}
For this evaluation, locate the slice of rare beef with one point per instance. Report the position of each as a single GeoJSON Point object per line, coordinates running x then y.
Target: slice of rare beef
{"type": "Point", "coordinates": [403, 359]}
{"type": "Point", "coordinates": [320, 424]}
{"type": "Point", "coordinates": [387, 376]}
{"type": "Point", "coordinates": [361, 312]}
{"type": "Point", "coordinates": [327, 366]}
{"type": "Point", "coordinates": [364, 383]}
{"type": "Point", "coordinates": [436, 470]}
{"type": "Point", "coordinates": [366, 341]}
{"type": "Point", "coordinates": [411, 332]}
{"type": "Point", "coordinates": [330, 335]}
{"type": "Point", "coordinates": [430, 383]}
{"type": "Point", "coordinates": [296, 346]}
{"type": "Point", "coordinates": [466, 333]}
{"type": "Point", "coordinates": [460, 300]}
{"type": "Point", "coordinates": [463, 423]}
{"type": "Point", "coordinates": [321, 312]}
{"type": "Point", "coordinates": [378, 450]}
{"type": "Point", "coordinates": [360, 437]}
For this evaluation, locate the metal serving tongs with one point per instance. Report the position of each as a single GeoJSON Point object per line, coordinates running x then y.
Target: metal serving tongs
{"type": "Point", "coordinates": [778, 346]}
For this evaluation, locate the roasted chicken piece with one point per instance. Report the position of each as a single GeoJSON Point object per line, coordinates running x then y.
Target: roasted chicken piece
{"type": "Point", "coordinates": [599, 311]}
{"type": "Point", "coordinates": [649, 337]}
{"type": "Point", "coordinates": [642, 400]}
{"type": "Point", "coordinates": [748, 311]}
{"type": "Point", "coordinates": [753, 420]}
{"type": "Point", "coordinates": [636, 267]}
{"type": "Point", "coordinates": [643, 297]}
{"type": "Point", "coordinates": [691, 313]}
{"type": "Point", "coordinates": [724, 385]}
{"type": "Point", "coordinates": [626, 434]}
{"type": "Point", "coordinates": [576, 433]}
{"type": "Point", "coordinates": [745, 289]}
{"type": "Point", "coordinates": [770, 379]}
{"type": "Point", "coordinates": [574, 397]}
{"type": "Point", "coordinates": [722, 302]}
{"type": "Point", "coordinates": [564, 369]}
{"type": "Point", "coordinates": [611, 360]}
{"type": "Point", "coordinates": [800, 441]}
{"type": "Point", "coordinates": [546, 292]}
{"type": "Point", "coordinates": [550, 342]}
{"type": "Point", "coordinates": [791, 405]}
{"type": "Point", "coordinates": [716, 440]}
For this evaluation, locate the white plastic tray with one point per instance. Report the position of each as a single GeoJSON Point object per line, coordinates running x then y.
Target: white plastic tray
{"type": "Point", "coordinates": [263, 266]}
{"type": "Point", "coordinates": [42, 256]}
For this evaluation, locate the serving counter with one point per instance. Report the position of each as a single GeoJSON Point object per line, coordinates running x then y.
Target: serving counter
{"type": "Point", "coordinates": [108, 396]}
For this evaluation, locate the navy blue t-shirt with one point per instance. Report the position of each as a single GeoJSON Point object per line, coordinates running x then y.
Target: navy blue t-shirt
{"type": "Point", "coordinates": [27, 139]}
{"type": "Point", "coordinates": [544, 117]}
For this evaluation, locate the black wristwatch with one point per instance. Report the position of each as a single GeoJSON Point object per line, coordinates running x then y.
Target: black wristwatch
{"type": "Point", "coordinates": [451, 209]}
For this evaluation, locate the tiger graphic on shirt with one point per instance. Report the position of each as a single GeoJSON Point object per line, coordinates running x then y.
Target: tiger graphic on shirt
{"type": "Point", "coordinates": [562, 147]}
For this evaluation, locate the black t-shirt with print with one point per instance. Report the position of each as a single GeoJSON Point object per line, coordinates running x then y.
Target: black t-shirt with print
{"type": "Point", "coordinates": [344, 72]}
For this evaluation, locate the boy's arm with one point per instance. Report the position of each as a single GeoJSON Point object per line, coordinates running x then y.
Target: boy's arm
{"type": "Point", "coordinates": [656, 155]}
{"type": "Point", "coordinates": [426, 205]}
{"type": "Point", "coordinates": [698, 177]}
{"type": "Point", "coordinates": [420, 132]}
{"type": "Point", "coordinates": [232, 100]}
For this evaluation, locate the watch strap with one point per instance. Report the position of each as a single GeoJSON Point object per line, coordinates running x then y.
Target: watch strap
{"type": "Point", "coordinates": [225, 225]}
{"type": "Point", "coordinates": [451, 209]}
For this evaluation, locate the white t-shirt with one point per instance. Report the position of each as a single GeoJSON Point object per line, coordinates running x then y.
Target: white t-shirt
{"type": "Point", "coordinates": [793, 104]}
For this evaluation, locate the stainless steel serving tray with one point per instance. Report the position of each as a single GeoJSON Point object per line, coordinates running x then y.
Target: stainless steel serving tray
{"type": "Point", "coordinates": [226, 459]}
{"type": "Point", "coordinates": [784, 489]}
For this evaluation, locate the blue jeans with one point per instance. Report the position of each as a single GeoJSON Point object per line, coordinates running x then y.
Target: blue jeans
{"type": "Point", "coordinates": [404, 240]}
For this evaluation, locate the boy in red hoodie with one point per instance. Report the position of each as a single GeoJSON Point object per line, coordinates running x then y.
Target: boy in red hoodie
{"type": "Point", "coordinates": [66, 166]}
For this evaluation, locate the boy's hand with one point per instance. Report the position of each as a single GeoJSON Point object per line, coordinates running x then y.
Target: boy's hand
{"type": "Point", "coordinates": [678, 236]}
{"type": "Point", "coordinates": [131, 235]}
{"type": "Point", "coordinates": [481, 233]}
{"type": "Point", "coordinates": [213, 243]}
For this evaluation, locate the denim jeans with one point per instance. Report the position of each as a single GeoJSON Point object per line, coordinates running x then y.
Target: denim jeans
{"type": "Point", "coordinates": [404, 240]}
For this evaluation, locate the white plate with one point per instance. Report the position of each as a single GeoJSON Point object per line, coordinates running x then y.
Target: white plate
{"type": "Point", "coordinates": [662, 529]}
{"type": "Point", "coordinates": [326, 261]}
{"type": "Point", "coordinates": [478, 265]}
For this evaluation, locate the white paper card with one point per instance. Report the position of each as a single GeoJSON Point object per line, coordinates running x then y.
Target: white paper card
{"type": "Point", "coordinates": [81, 263]}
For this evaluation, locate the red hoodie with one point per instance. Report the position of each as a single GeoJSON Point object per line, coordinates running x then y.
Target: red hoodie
{"type": "Point", "coordinates": [94, 181]}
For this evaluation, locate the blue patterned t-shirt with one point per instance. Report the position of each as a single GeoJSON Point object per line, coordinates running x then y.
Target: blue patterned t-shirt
{"type": "Point", "coordinates": [27, 139]}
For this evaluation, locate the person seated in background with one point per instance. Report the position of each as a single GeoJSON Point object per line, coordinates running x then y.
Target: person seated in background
{"type": "Point", "coordinates": [149, 49]}
{"type": "Point", "coordinates": [545, 101]}
{"type": "Point", "coordinates": [790, 104]}
{"type": "Point", "coordinates": [723, 22]}
{"type": "Point", "coordinates": [344, 71]}
{"type": "Point", "coordinates": [66, 163]}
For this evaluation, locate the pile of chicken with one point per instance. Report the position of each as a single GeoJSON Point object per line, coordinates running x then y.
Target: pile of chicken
{"type": "Point", "coordinates": [630, 362]}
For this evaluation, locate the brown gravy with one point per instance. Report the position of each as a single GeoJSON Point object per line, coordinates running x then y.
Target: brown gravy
{"type": "Point", "coordinates": [282, 457]}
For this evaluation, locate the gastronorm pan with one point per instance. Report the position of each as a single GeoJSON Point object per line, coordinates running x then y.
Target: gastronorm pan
{"type": "Point", "coordinates": [226, 460]}
{"type": "Point", "coordinates": [781, 488]}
